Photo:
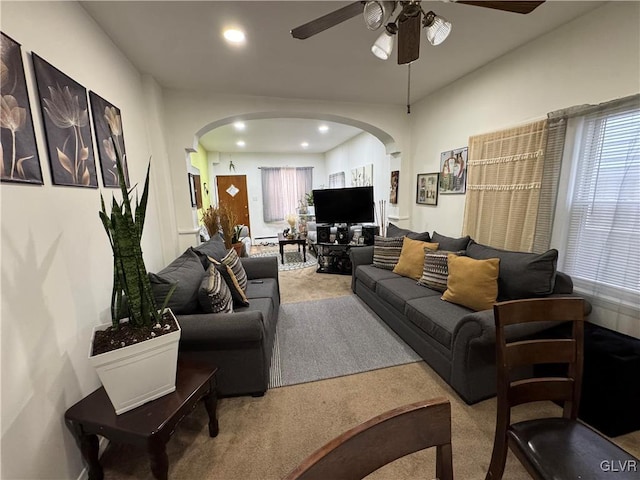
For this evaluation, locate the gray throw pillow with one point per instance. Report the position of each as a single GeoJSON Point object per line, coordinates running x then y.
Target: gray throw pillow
{"type": "Point", "coordinates": [449, 243]}
{"type": "Point", "coordinates": [522, 274]}
{"type": "Point", "coordinates": [213, 248]}
{"type": "Point", "coordinates": [395, 231]}
{"type": "Point", "coordinates": [187, 272]}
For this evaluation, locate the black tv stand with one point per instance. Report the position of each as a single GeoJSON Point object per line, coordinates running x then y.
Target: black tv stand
{"type": "Point", "coordinates": [334, 258]}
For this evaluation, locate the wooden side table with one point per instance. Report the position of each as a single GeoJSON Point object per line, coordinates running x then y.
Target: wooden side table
{"type": "Point", "coordinates": [297, 240]}
{"type": "Point", "coordinates": [150, 425]}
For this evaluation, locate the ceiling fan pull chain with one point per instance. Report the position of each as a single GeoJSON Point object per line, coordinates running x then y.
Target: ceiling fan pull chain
{"type": "Point", "coordinates": [409, 90]}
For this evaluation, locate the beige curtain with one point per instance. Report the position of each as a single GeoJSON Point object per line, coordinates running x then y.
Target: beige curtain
{"type": "Point", "coordinates": [504, 180]}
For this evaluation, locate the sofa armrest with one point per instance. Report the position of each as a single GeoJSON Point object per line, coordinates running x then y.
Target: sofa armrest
{"type": "Point", "coordinates": [211, 331]}
{"type": "Point", "coordinates": [359, 256]}
{"type": "Point", "coordinates": [260, 267]}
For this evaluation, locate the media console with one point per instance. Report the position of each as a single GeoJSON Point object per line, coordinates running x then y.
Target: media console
{"type": "Point", "coordinates": [334, 258]}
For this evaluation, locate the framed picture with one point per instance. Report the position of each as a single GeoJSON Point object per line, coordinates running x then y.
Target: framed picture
{"type": "Point", "coordinates": [427, 189]}
{"type": "Point", "coordinates": [107, 126]}
{"type": "Point", "coordinates": [453, 171]}
{"type": "Point", "coordinates": [395, 182]}
{"type": "Point", "coordinates": [65, 114]}
{"type": "Point", "coordinates": [20, 160]}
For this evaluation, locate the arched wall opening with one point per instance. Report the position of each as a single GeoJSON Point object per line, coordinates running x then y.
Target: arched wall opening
{"type": "Point", "coordinates": [384, 156]}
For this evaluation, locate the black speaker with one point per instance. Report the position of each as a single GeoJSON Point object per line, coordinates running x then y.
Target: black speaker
{"type": "Point", "coordinates": [324, 232]}
{"type": "Point", "coordinates": [369, 232]}
{"type": "Point", "coordinates": [342, 235]}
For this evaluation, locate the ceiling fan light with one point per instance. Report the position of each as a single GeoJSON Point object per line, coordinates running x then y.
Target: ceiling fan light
{"type": "Point", "coordinates": [437, 28]}
{"type": "Point", "coordinates": [383, 46]}
{"type": "Point", "coordinates": [377, 13]}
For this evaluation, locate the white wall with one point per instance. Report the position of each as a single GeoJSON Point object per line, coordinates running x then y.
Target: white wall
{"type": "Point", "coordinates": [249, 164]}
{"type": "Point", "coordinates": [593, 59]}
{"type": "Point", "coordinates": [56, 259]}
{"type": "Point", "coordinates": [361, 150]}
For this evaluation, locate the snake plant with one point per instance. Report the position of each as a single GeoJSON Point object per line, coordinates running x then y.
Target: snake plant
{"type": "Point", "coordinates": [124, 229]}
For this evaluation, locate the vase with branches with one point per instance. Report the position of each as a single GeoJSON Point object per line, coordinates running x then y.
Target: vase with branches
{"type": "Point", "coordinates": [211, 220]}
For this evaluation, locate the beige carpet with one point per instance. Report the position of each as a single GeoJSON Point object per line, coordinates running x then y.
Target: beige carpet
{"type": "Point", "coordinates": [264, 438]}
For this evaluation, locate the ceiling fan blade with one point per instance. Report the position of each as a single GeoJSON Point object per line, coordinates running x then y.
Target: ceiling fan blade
{"type": "Point", "coordinates": [508, 6]}
{"type": "Point", "coordinates": [329, 20]}
{"type": "Point", "coordinates": [408, 39]}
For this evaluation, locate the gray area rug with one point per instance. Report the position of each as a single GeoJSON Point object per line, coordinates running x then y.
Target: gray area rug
{"type": "Point", "coordinates": [292, 259]}
{"type": "Point", "coordinates": [332, 338]}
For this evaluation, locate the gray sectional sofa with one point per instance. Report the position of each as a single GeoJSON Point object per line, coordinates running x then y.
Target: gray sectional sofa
{"type": "Point", "coordinates": [458, 343]}
{"type": "Point", "coordinates": [238, 343]}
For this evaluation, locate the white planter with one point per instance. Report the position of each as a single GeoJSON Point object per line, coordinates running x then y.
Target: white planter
{"type": "Point", "coordinates": [137, 374]}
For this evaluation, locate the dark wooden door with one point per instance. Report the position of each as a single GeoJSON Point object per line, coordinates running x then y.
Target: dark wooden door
{"type": "Point", "coordinates": [232, 191]}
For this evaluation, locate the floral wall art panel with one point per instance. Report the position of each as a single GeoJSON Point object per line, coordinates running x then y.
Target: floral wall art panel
{"type": "Point", "coordinates": [18, 150]}
{"type": "Point", "coordinates": [107, 125]}
{"type": "Point", "coordinates": [65, 114]}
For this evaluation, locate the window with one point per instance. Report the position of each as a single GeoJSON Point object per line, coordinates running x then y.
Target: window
{"type": "Point", "coordinates": [602, 218]}
{"type": "Point", "coordinates": [283, 189]}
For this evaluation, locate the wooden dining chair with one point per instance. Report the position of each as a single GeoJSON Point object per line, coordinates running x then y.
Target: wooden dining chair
{"type": "Point", "coordinates": [549, 448]}
{"type": "Point", "coordinates": [381, 440]}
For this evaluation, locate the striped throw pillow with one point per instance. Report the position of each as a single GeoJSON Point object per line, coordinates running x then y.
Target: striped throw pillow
{"type": "Point", "coordinates": [232, 259]}
{"type": "Point", "coordinates": [214, 295]}
{"type": "Point", "coordinates": [386, 251]}
{"type": "Point", "coordinates": [436, 270]}
{"type": "Point", "coordinates": [238, 295]}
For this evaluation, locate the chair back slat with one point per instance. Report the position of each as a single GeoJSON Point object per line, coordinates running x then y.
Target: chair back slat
{"type": "Point", "coordinates": [383, 439]}
{"type": "Point", "coordinates": [539, 389]}
{"type": "Point", "coordinates": [534, 352]}
{"type": "Point", "coordinates": [541, 310]}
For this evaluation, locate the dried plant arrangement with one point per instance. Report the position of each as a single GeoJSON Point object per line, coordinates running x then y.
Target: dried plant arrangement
{"type": "Point", "coordinates": [211, 220]}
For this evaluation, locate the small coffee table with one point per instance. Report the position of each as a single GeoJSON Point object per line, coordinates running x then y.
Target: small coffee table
{"type": "Point", "coordinates": [150, 425]}
{"type": "Point", "coordinates": [296, 240]}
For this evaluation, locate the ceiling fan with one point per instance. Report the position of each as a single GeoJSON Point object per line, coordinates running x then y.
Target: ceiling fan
{"type": "Point", "coordinates": [406, 25]}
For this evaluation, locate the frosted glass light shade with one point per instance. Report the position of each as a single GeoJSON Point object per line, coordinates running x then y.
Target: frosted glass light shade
{"type": "Point", "coordinates": [438, 31]}
{"type": "Point", "coordinates": [383, 46]}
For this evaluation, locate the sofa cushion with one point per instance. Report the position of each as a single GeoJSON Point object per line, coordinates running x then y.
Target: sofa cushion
{"type": "Point", "coordinates": [472, 283]}
{"type": "Point", "coordinates": [449, 243]}
{"type": "Point", "coordinates": [186, 271]}
{"type": "Point", "coordinates": [522, 275]}
{"type": "Point", "coordinates": [214, 294]}
{"type": "Point", "coordinates": [232, 259]}
{"type": "Point", "coordinates": [262, 288]}
{"type": "Point", "coordinates": [396, 291]}
{"type": "Point", "coordinates": [386, 251]}
{"type": "Point", "coordinates": [435, 317]}
{"type": "Point", "coordinates": [237, 294]}
{"type": "Point", "coordinates": [435, 270]}
{"type": "Point", "coordinates": [395, 231]}
{"type": "Point", "coordinates": [211, 248]}
{"type": "Point", "coordinates": [370, 275]}
{"type": "Point", "coordinates": [411, 261]}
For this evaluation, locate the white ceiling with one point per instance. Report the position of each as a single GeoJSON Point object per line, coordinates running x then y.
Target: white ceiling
{"type": "Point", "coordinates": [180, 44]}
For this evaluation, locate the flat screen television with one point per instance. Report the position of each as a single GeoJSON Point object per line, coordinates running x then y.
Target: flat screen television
{"type": "Point", "coordinates": [344, 205]}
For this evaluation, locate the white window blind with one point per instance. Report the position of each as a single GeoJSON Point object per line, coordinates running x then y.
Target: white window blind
{"type": "Point", "coordinates": [603, 233]}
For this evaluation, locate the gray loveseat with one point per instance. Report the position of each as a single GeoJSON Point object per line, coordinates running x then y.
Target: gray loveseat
{"type": "Point", "coordinates": [238, 343]}
{"type": "Point", "coordinates": [457, 342]}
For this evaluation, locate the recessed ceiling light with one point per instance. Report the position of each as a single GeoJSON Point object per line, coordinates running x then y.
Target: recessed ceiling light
{"type": "Point", "coordinates": [239, 125]}
{"type": "Point", "coordinates": [234, 36]}
{"type": "Point", "coordinates": [304, 144]}
{"type": "Point", "coordinates": [323, 128]}
{"type": "Point", "coordinates": [240, 143]}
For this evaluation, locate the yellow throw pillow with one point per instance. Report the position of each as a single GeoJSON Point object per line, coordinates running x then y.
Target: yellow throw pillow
{"type": "Point", "coordinates": [472, 283]}
{"type": "Point", "coordinates": [411, 261]}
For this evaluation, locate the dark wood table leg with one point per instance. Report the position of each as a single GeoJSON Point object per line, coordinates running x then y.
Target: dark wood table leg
{"type": "Point", "coordinates": [304, 252]}
{"type": "Point", "coordinates": [282, 253]}
{"type": "Point", "coordinates": [210, 404]}
{"type": "Point", "coordinates": [158, 458]}
{"type": "Point", "coordinates": [89, 446]}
